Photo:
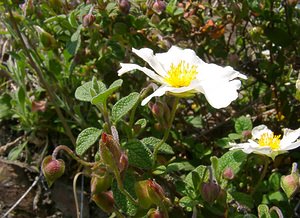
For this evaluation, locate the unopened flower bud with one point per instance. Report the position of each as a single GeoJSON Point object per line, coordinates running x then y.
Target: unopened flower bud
{"type": "Point", "coordinates": [110, 151]}
{"type": "Point", "coordinates": [210, 191]}
{"type": "Point", "coordinates": [88, 20]}
{"type": "Point", "coordinates": [228, 173]}
{"type": "Point", "coordinates": [155, 213]}
{"type": "Point", "coordinates": [159, 6]}
{"type": "Point", "coordinates": [290, 184]}
{"type": "Point", "coordinates": [123, 162]}
{"type": "Point", "coordinates": [101, 181]}
{"type": "Point", "coordinates": [156, 192]}
{"type": "Point", "coordinates": [124, 6]}
{"type": "Point", "coordinates": [52, 169]}
{"type": "Point", "coordinates": [141, 190]}
{"type": "Point", "coordinates": [104, 200]}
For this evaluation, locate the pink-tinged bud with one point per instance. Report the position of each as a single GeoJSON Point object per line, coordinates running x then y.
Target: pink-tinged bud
{"type": "Point", "coordinates": [123, 162]}
{"type": "Point", "coordinates": [290, 184]}
{"type": "Point", "coordinates": [110, 151]}
{"type": "Point", "coordinates": [124, 6]}
{"type": "Point", "coordinates": [52, 169]}
{"type": "Point", "coordinates": [155, 213]}
{"type": "Point", "coordinates": [228, 173]}
{"type": "Point", "coordinates": [156, 192]}
{"type": "Point", "coordinates": [141, 190]}
{"type": "Point", "coordinates": [101, 181]}
{"type": "Point", "coordinates": [88, 20]}
{"type": "Point", "coordinates": [161, 112]}
{"type": "Point", "coordinates": [104, 200]}
{"type": "Point", "coordinates": [159, 6]}
{"type": "Point", "coordinates": [210, 191]}
{"type": "Point", "coordinates": [247, 134]}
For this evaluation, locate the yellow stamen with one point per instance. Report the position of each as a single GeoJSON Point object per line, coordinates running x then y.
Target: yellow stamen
{"type": "Point", "coordinates": [269, 139]}
{"type": "Point", "coordinates": [181, 75]}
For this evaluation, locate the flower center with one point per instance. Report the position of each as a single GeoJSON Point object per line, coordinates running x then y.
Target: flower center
{"type": "Point", "coordinates": [181, 75]}
{"type": "Point", "coordinates": [269, 139]}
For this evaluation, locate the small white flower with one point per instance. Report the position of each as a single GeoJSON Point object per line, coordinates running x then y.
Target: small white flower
{"type": "Point", "coordinates": [265, 142]}
{"type": "Point", "coordinates": [181, 72]}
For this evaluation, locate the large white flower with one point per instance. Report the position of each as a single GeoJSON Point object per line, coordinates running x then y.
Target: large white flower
{"type": "Point", "coordinates": [265, 142]}
{"type": "Point", "coordinates": [181, 72]}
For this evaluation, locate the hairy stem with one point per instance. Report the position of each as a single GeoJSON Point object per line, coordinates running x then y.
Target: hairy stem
{"type": "Point", "coordinates": [166, 133]}
{"type": "Point", "coordinates": [262, 175]}
{"type": "Point", "coordinates": [71, 153]}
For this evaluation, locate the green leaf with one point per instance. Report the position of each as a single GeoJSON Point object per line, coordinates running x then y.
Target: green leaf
{"type": "Point", "coordinates": [243, 123]}
{"type": "Point", "coordinates": [74, 44]}
{"type": "Point", "coordinates": [199, 171]}
{"type": "Point", "coordinates": [21, 99]}
{"type": "Point", "coordinates": [121, 200]}
{"type": "Point", "coordinates": [197, 121]}
{"type": "Point", "coordinates": [263, 211]}
{"type": "Point", "coordinates": [86, 139]}
{"type": "Point", "coordinates": [138, 154]}
{"type": "Point", "coordinates": [142, 122]}
{"type": "Point", "coordinates": [274, 181]}
{"type": "Point", "coordinates": [5, 106]}
{"type": "Point", "coordinates": [235, 136]}
{"type": "Point", "coordinates": [124, 105]}
{"type": "Point", "coordinates": [179, 166]}
{"type": "Point", "coordinates": [150, 142]}
{"type": "Point", "coordinates": [101, 98]}
{"type": "Point", "coordinates": [83, 92]}
{"type": "Point", "coordinates": [16, 151]}
{"type": "Point", "coordinates": [243, 199]}
{"type": "Point", "coordinates": [172, 5]}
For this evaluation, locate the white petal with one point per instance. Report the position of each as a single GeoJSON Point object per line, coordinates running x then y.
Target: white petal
{"type": "Point", "coordinates": [289, 137]}
{"type": "Point", "coordinates": [175, 55]}
{"type": "Point", "coordinates": [128, 67]}
{"type": "Point", "coordinates": [147, 55]}
{"type": "Point", "coordinates": [220, 94]}
{"type": "Point", "coordinates": [259, 130]}
{"type": "Point", "coordinates": [158, 92]}
{"type": "Point", "coordinates": [291, 146]}
{"type": "Point", "coordinates": [216, 72]}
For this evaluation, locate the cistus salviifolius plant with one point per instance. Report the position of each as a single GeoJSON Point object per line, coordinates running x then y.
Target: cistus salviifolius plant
{"type": "Point", "coordinates": [165, 108]}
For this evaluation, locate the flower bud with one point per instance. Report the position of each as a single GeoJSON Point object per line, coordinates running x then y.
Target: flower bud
{"type": "Point", "coordinates": [101, 181]}
{"type": "Point", "coordinates": [110, 151]}
{"type": "Point", "coordinates": [156, 192]}
{"type": "Point", "coordinates": [161, 112]}
{"type": "Point", "coordinates": [210, 191]}
{"type": "Point", "coordinates": [104, 200]}
{"type": "Point", "coordinates": [52, 169]}
{"type": "Point", "coordinates": [141, 190]}
{"type": "Point", "coordinates": [290, 184]}
{"type": "Point", "coordinates": [155, 213]}
{"type": "Point", "coordinates": [159, 6]}
{"type": "Point", "coordinates": [88, 20]}
{"type": "Point", "coordinates": [228, 173]}
{"type": "Point", "coordinates": [123, 162]}
{"type": "Point", "coordinates": [124, 6]}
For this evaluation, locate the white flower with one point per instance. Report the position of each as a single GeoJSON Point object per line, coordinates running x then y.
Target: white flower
{"type": "Point", "coordinates": [265, 142]}
{"type": "Point", "coordinates": [181, 72]}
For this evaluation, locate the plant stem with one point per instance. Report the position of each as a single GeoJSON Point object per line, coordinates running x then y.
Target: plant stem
{"type": "Point", "coordinates": [71, 153]}
{"type": "Point", "coordinates": [262, 175]}
{"type": "Point", "coordinates": [166, 133]}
